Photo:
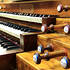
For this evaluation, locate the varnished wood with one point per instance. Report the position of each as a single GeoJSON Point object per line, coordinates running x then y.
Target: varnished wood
{"type": "Point", "coordinates": [58, 28]}
{"type": "Point", "coordinates": [44, 39]}
{"type": "Point", "coordinates": [58, 41]}
{"type": "Point", "coordinates": [49, 20]}
{"type": "Point", "coordinates": [35, 1]}
{"type": "Point", "coordinates": [19, 0]}
{"type": "Point", "coordinates": [7, 62]}
{"type": "Point", "coordinates": [62, 21]}
{"type": "Point", "coordinates": [25, 62]}
{"type": "Point", "coordinates": [28, 41]}
{"type": "Point", "coordinates": [63, 42]}
{"type": "Point", "coordinates": [8, 59]}
{"type": "Point", "coordinates": [38, 7]}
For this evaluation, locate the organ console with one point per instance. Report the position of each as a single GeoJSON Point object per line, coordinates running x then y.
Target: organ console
{"type": "Point", "coordinates": [18, 33]}
{"type": "Point", "coordinates": [27, 25]}
{"type": "Point", "coordinates": [56, 36]}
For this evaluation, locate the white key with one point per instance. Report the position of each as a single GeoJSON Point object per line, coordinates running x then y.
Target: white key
{"type": "Point", "coordinates": [2, 50]}
{"type": "Point", "coordinates": [11, 31]}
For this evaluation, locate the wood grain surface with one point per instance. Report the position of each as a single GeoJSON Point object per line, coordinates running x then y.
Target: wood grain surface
{"type": "Point", "coordinates": [25, 62]}
{"type": "Point", "coordinates": [60, 43]}
{"type": "Point", "coordinates": [39, 7]}
{"type": "Point", "coordinates": [44, 39]}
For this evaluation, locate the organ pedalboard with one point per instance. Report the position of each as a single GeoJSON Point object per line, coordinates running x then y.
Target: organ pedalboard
{"type": "Point", "coordinates": [30, 25]}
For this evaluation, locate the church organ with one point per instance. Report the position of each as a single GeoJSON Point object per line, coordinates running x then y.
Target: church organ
{"type": "Point", "coordinates": [31, 24]}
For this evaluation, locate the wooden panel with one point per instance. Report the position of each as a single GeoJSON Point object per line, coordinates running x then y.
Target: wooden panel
{"type": "Point", "coordinates": [26, 59]}
{"type": "Point", "coordinates": [62, 20]}
{"type": "Point", "coordinates": [8, 60]}
{"type": "Point", "coordinates": [26, 8]}
{"type": "Point", "coordinates": [44, 39]}
{"type": "Point", "coordinates": [39, 7]}
{"type": "Point", "coordinates": [18, 0]}
{"type": "Point", "coordinates": [49, 20]}
{"type": "Point", "coordinates": [59, 41]}
{"type": "Point", "coordinates": [63, 42]}
{"type": "Point", "coordinates": [28, 41]}
{"type": "Point", "coordinates": [50, 7]}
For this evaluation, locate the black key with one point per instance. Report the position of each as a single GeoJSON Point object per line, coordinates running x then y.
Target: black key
{"type": "Point", "coordinates": [33, 30]}
{"type": "Point", "coordinates": [36, 15]}
{"type": "Point", "coordinates": [30, 30]}
{"type": "Point", "coordinates": [26, 29]}
{"type": "Point", "coordinates": [6, 44]}
{"type": "Point", "coordinates": [24, 14]}
{"type": "Point", "coordinates": [11, 25]}
{"type": "Point", "coordinates": [12, 47]}
{"type": "Point", "coordinates": [18, 27]}
{"type": "Point", "coordinates": [22, 29]}
{"type": "Point", "coordinates": [14, 26]}
{"type": "Point", "coordinates": [40, 15]}
{"type": "Point", "coordinates": [5, 40]}
{"type": "Point", "coordinates": [5, 24]}
{"type": "Point", "coordinates": [28, 14]}
{"type": "Point", "coordinates": [1, 41]}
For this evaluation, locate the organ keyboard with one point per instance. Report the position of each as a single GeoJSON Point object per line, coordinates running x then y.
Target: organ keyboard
{"type": "Point", "coordinates": [14, 29]}
{"type": "Point", "coordinates": [24, 17]}
{"type": "Point", "coordinates": [7, 45]}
